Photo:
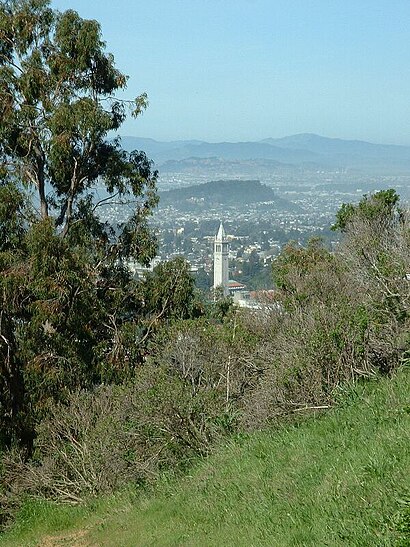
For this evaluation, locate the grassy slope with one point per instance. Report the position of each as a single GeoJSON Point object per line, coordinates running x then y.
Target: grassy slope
{"type": "Point", "coordinates": [338, 479]}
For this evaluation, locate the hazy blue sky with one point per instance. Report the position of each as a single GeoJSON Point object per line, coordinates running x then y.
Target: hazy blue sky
{"type": "Point", "coordinates": [250, 69]}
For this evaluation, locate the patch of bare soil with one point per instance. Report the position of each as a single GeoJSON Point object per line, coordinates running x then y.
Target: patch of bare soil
{"type": "Point", "coordinates": [74, 539]}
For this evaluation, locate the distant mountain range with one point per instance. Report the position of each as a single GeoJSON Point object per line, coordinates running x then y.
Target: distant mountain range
{"type": "Point", "coordinates": [305, 149]}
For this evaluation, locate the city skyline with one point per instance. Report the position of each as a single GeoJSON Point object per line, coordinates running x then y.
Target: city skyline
{"type": "Point", "coordinates": [249, 70]}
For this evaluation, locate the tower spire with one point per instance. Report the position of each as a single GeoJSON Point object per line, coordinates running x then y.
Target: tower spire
{"type": "Point", "coordinates": [221, 266]}
{"type": "Point", "coordinates": [220, 236]}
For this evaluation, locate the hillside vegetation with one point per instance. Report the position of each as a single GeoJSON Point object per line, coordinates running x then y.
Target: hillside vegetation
{"type": "Point", "coordinates": [183, 375]}
{"type": "Point", "coordinates": [338, 479]}
{"type": "Point", "coordinates": [108, 382]}
{"type": "Point", "coordinates": [224, 193]}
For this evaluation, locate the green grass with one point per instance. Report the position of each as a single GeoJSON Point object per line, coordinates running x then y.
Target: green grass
{"type": "Point", "coordinates": [339, 479]}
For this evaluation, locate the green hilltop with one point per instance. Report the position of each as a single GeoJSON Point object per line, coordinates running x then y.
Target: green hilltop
{"type": "Point", "coordinates": [223, 192]}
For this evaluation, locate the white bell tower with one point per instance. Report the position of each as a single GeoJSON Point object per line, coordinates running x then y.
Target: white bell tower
{"type": "Point", "coordinates": [221, 270]}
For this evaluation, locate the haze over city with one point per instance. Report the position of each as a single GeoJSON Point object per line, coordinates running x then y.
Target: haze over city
{"type": "Point", "coordinates": [248, 70]}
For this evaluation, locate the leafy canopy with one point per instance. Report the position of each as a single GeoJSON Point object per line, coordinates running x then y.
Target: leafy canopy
{"type": "Point", "coordinates": [382, 205]}
{"type": "Point", "coordinates": [71, 316]}
{"type": "Point", "coordinates": [58, 104]}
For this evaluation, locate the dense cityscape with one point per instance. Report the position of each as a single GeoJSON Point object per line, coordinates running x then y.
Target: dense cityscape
{"type": "Point", "coordinates": [304, 206]}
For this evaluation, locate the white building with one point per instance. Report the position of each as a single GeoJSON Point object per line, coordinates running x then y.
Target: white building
{"type": "Point", "coordinates": [221, 267]}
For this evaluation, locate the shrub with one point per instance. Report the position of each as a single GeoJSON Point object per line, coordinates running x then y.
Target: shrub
{"type": "Point", "coordinates": [115, 435]}
{"type": "Point", "coordinates": [344, 315]}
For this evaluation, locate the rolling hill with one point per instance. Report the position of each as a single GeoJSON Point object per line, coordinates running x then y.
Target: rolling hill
{"type": "Point", "coordinates": [223, 193]}
{"type": "Point", "coordinates": [306, 148]}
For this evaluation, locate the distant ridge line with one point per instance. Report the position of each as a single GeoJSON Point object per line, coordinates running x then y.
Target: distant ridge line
{"type": "Point", "coordinates": [294, 150]}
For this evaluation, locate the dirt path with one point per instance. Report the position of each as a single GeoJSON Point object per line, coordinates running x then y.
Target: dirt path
{"type": "Point", "coordinates": [74, 539]}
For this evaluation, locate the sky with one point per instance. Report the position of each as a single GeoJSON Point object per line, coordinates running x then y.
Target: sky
{"type": "Point", "coordinates": [237, 70]}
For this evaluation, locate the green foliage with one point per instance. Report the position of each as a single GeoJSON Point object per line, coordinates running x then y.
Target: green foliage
{"type": "Point", "coordinates": [211, 356]}
{"type": "Point", "coordinates": [50, 322]}
{"type": "Point", "coordinates": [376, 249]}
{"type": "Point", "coordinates": [168, 291]}
{"type": "Point", "coordinates": [57, 97]}
{"type": "Point", "coordinates": [380, 205]}
{"type": "Point", "coordinates": [189, 372]}
{"type": "Point", "coordinates": [344, 314]}
{"type": "Point", "coordinates": [74, 328]}
{"type": "Point", "coordinates": [14, 212]}
{"type": "Point", "coordinates": [298, 272]}
{"type": "Point", "coordinates": [403, 523]}
{"type": "Point", "coordinates": [103, 439]}
{"type": "Point", "coordinates": [220, 306]}
{"type": "Point", "coordinates": [105, 379]}
{"type": "Point", "coordinates": [338, 479]}
{"type": "Point", "coordinates": [203, 281]}
{"type": "Point", "coordinates": [70, 312]}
